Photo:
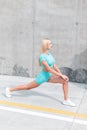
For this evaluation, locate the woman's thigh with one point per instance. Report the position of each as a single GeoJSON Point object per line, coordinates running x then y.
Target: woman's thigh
{"type": "Point", "coordinates": [56, 79]}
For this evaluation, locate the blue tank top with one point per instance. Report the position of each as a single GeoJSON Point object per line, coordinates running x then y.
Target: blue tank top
{"type": "Point", "coordinates": [48, 58]}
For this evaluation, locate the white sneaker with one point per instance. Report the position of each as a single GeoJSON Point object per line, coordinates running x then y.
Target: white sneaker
{"type": "Point", "coordinates": [7, 93]}
{"type": "Point", "coordinates": [68, 103]}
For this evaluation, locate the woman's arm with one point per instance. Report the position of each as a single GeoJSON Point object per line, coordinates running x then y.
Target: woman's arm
{"type": "Point", "coordinates": [56, 68]}
{"type": "Point", "coordinates": [51, 70]}
{"type": "Point", "coordinates": [55, 72]}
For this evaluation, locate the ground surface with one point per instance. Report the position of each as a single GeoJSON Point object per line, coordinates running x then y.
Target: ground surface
{"type": "Point", "coordinates": [41, 108]}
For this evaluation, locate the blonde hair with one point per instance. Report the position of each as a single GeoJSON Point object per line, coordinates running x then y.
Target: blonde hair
{"type": "Point", "coordinates": [44, 47]}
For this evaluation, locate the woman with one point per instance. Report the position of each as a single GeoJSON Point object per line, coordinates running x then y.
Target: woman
{"type": "Point", "coordinates": [50, 73]}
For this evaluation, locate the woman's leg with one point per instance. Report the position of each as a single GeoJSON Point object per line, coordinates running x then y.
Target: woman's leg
{"type": "Point", "coordinates": [28, 86]}
{"type": "Point", "coordinates": [56, 79]}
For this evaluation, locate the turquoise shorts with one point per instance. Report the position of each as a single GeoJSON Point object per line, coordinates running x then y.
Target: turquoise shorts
{"type": "Point", "coordinates": [43, 76]}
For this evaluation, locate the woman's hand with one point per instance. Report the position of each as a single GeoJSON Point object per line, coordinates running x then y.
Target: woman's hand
{"type": "Point", "coordinates": [65, 77]}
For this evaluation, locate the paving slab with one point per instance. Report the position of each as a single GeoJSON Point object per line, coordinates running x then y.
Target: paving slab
{"type": "Point", "coordinates": [45, 100]}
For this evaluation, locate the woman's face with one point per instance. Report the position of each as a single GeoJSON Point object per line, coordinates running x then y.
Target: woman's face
{"type": "Point", "coordinates": [50, 45]}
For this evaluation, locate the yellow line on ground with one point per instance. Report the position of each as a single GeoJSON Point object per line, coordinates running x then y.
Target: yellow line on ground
{"type": "Point", "coordinates": [43, 109]}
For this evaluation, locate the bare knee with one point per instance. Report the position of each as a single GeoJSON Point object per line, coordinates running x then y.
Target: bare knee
{"type": "Point", "coordinates": [26, 87]}
{"type": "Point", "coordinates": [65, 82]}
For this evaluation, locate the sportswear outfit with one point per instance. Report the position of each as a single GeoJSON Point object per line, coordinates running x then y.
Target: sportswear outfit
{"type": "Point", "coordinates": [44, 76]}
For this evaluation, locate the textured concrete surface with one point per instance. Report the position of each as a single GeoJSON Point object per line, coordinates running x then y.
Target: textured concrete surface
{"type": "Point", "coordinates": [47, 95]}
{"type": "Point", "coordinates": [23, 24]}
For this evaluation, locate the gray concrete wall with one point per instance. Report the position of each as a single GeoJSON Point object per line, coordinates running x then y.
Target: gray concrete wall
{"type": "Point", "coordinates": [23, 24]}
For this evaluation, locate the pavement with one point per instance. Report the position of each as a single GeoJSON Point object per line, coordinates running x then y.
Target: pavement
{"type": "Point", "coordinates": [41, 108]}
